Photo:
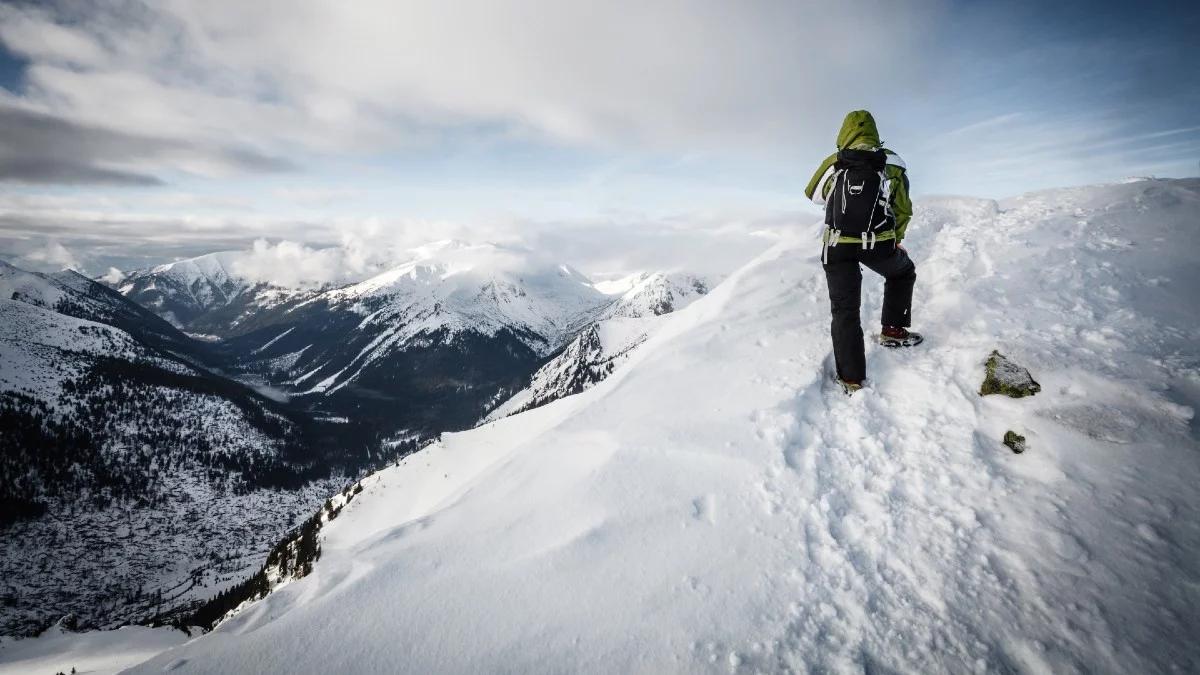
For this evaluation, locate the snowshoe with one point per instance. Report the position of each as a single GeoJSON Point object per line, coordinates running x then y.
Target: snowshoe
{"type": "Point", "coordinates": [894, 338]}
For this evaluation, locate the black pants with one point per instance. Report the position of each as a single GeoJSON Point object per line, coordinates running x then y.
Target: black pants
{"type": "Point", "coordinates": [845, 291]}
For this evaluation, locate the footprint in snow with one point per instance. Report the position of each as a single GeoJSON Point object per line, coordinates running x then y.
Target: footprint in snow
{"type": "Point", "coordinates": [704, 508]}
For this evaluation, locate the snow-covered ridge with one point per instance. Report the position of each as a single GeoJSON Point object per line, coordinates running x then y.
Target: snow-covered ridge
{"type": "Point", "coordinates": [608, 340]}
{"type": "Point", "coordinates": [716, 506]}
{"type": "Point", "coordinates": [213, 267]}
{"type": "Point", "coordinates": [182, 290]}
{"type": "Point", "coordinates": [208, 279]}
{"type": "Point", "coordinates": [656, 293]}
{"type": "Point", "coordinates": [35, 289]}
{"type": "Point", "coordinates": [37, 345]}
{"type": "Point", "coordinates": [594, 354]}
{"type": "Point", "coordinates": [485, 287]}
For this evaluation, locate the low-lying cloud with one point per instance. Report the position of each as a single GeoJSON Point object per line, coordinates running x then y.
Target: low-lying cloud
{"type": "Point", "coordinates": [348, 250]}
{"type": "Point", "coordinates": [295, 265]}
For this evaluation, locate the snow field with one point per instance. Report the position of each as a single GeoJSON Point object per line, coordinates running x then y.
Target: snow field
{"type": "Point", "coordinates": [717, 506]}
{"type": "Point", "coordinates": [94, 653]}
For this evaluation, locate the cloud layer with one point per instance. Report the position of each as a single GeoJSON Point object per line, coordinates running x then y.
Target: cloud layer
{"type": "Point", "coordinates": [350, 249]}
{"type": "Point", "coordinates": [618, 135]}
{"type": "Point", "coordinates": [37, 147]}
{"type": "Point", "coordinates": [317, 76]}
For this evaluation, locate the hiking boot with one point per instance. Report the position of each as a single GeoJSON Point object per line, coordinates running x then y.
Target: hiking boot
{"type": "Point", "coordinates": [849, 386]}
{"type": "Point", "coordinates": [895, 336]}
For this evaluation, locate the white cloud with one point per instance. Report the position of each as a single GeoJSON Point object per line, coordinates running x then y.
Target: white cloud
{"type": "Point", "coordinates": [599, 248]}
{"type": "Point", "coordinates": [344, 250]}
{"type": "Point", "coordinates": [45, 256]}
{"type": "Point", "coordinates": [112, 276]}
{"type": "Point", "coordinates": [35, 34]}
{"type": "Point", "coordinates": [326, 76]}
{"type": "Point", "coordinates": [291, 264]}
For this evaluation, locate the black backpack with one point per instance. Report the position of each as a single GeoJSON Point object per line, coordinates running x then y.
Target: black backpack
{"type": "Point", "coordinates": [857, 203]}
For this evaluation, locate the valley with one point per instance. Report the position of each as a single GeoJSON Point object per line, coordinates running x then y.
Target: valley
{"type": "Point", "coordinates": [149, 467]}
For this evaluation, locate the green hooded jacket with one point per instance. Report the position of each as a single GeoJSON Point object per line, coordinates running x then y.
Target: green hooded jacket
{"type": "Point", "coordinates": [860, 133]}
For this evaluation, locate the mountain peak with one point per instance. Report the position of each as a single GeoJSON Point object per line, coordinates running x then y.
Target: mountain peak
{"type": "Point", "coordinates": [656, 293]}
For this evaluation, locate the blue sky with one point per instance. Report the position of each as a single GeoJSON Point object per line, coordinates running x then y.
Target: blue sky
{"type": "Point", "coordinates": [626, 134]}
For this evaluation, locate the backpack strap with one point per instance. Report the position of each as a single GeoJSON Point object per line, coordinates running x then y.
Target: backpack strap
{"type": "Point", "coordinates": [830, 238]}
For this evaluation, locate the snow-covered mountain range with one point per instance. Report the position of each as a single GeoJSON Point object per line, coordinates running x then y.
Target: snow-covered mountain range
{"type": "Point", "coordinates": [183, 291]}
{"type": "Point", "coordinates": [717, 506]}
{"type": "Point", "coordinates": [352, 377]}
{"type": "Point", "coordinates": [427, 346]}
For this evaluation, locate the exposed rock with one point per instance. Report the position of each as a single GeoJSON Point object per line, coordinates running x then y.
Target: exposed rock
{"type": "Point", "coordinates": [1015, 441]}
{"type": "Point", "coordinates": [1008, 378]}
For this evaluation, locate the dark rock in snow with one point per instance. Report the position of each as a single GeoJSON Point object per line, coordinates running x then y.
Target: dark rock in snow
{"type": "Point", "coordinates": [1008, 378]}
{"type": "Point", "coordinates": [1015, 441]}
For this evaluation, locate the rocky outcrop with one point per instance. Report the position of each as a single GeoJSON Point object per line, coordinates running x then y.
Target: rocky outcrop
{"type": "Point", "coordinates": [1003, 376]}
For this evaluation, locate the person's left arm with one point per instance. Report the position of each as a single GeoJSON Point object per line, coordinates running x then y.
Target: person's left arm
{"type": "Point", "coordinates": [819, 185]}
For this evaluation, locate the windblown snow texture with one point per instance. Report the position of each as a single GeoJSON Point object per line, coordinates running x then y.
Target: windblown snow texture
{"type": "Point", "coordinates": [713, 507]}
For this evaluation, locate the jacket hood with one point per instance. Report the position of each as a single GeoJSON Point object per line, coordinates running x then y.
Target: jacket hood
{"type": "Point", "coordinates": [858, 129]}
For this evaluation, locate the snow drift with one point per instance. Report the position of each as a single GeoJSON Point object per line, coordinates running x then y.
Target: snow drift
{"type": "Point", "coordinates": [715, 505]}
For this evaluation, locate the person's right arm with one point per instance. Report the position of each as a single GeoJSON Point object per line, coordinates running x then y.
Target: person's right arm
{"type": "Point", "coordinates": [901, 204]}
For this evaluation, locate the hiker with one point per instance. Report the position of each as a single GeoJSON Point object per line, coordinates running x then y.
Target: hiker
{"type": "Point", "coordinates": [864, 189]}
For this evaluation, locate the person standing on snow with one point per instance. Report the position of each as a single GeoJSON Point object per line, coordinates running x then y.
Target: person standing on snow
{"type": "Point", "coordinates": [864, 190]}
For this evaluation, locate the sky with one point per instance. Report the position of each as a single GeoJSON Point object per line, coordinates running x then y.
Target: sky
{"type": "Point", "coordinates": [619, 136]}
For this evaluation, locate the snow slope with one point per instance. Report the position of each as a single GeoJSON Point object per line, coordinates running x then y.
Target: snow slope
{"type": "Point", "coordinates": [184, 290]}
{"type": "Point", "coordinates": [210, 269]}
{"type": "Point", "coordinates": [35, 289]}
{"type": "Point", "coordinates": [454, 287]}
{"type": "Point", "coordinates": [40, 349]}
{"type": "Point", "coordinates": [588, 358]}
{"type": "Point", "coordinates": [620, 327]}
{"type": "Point", "coordinates": [715, 506]}
{"type": "Point", "coordinates": [94, 653]}
{"type": "Point", "coordinates": [40, 346]}
{"type": "Point", "coordinates": [134, 496]}
{"type": "Point", "coordinates": [653, 294]}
